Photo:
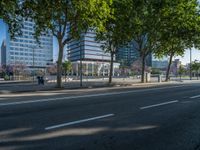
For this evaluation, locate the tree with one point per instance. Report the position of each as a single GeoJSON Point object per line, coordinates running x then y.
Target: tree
{"type": "Point", "coordinates": [52, 70]}
{"type": "Point", "coordinates": [172, 47]}
{"type": "Point", "coordinates": [181, 71]}
{"type": "Point", "coordinates": [11, 13]}
{"type": "Point", "coordinates": [19, 68]}
{"type": "Point", "coordinates": [136, 67]}
{"type": "Point", "coordinates": [196, 67]}
{"type": "Point", "coordinates": [67, 67]}
{"type": "Point", "coordinates": [66, 20]}
{"type": "Point", "coordinates": [144, 27]}
{"type": "Point", "coordinates": [155, 71]}
{"type": "Point", "coordinates": [116, 33]}
{"type": "Point", "coordinates": [2, 71]}
{"type": "Point", "coordinates": [179, 28]}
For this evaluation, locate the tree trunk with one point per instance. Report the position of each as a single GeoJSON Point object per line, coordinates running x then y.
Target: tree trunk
{"type": "Point", "coordinates": [111, 68]}
{"type": "Point", "coordinates": [168, 68]}
{"type": "Point", "coordinates": [59, 64]}
{"type": "Point", "coordinates": [143, 69]}
{"type": "Point", "coordinates": [65, 76]}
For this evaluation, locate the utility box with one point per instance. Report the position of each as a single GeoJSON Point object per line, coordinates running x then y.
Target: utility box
{"type": "Point", "coordinates": [148, 77]}
{"type": "Point", "coordinates": [159, 78]}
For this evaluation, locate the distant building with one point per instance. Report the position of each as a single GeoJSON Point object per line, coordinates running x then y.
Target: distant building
{"type": "Point", "coordinates": [94, 59]}
{"type": "Point", "coordinates": [175, 66]}
{"type": "Point", "coordinates": [87, 48]}
{"type": "Point", "coordinates": [24, 49]}
{"type": "Point", "coordinates": [149, 60]}
{"type": "Point", "coordinates": [3, 53]}
{"type": "Point", "coordinates": [159, 64]}
{"type": "Point", "coordinates": [127, 54]}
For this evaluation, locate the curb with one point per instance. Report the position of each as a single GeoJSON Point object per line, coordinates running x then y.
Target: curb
{"type": "Point", "coordinates": [3, 83]}
{"type": "Point", "coordinates": [142, 85]}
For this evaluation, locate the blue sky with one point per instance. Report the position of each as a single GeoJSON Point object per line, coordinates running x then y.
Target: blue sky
{"type": "Point", "coordinates": [185, 59]}
{"type": "Point", "coordinates": [2, 31]}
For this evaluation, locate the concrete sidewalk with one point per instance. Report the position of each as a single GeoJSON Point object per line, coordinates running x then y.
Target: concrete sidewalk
{"type": "Point", "coordinates": [33, 87]}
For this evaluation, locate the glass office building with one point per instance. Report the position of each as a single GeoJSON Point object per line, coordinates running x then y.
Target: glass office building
{"type": "Point", "coordinates": [88, 48]}
{"type": "Point", "coordinates": [126, 55]}
{"type": "Point", "coordinates": [24, 49]}
{"type": "Point", "coordinates": [3, 53]}
{"type": "Point", "coordinates": [129, 53]}
{"type": "Point", "coordinates": [94, 59]}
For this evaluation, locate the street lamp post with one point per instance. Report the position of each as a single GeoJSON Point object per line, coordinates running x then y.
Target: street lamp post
{"type": "Point", "coordinates": [190, 64]}
{"type": "Point", "coordinates": [33, 53]}
{"type": "Point", "coordinates": [102, 66]}
{"type": "Point", "coordinates": [81, 66]}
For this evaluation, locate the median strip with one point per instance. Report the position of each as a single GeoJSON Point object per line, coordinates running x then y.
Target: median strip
{"type": "Point", "coordinates": [78, 122]}
{"type": "Point", "coordinates": [160, 104]}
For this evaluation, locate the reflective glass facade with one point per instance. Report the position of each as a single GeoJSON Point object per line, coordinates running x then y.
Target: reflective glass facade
{"type": "Point", "coordinates": [88, 48]}
{"type": "Point", "coordinates": [3, 53]}
{"type": "Point", "coordinates": [126, 55]}
{"type": "Point", "coordinates": [25, 50]}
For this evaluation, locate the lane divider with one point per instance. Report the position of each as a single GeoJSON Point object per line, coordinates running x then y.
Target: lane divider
{"type": "Point", "coordinates": [84, 96]}
{"type": "Point", "coordinates": [197, 96]}
{"type": "Point", "coordinates": [78, 122]}
{"type": "Point", "coordinates": [160, 104]}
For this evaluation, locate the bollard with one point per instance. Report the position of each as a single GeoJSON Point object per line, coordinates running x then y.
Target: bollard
{"type": "Point", "coordinates": [148, 77]}
{"type": "Point", "coordinates": [159, 78]}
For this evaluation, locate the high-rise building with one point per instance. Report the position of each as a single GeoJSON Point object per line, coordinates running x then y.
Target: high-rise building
{"type": "Point", "coordinates": [90, 52]}
{"type": "Point", "coordinates": [149, 60]}
{"type": "Point", "coordinates": [161, 63]}
{"type": "Point", "coordinates": [3, 53]}
{"type": "Point", "coordinates": [24, 49]}
{"type": "Point", "coordinates": [88, 48]}
{"type": "Point", "coordinates": [127, 54]}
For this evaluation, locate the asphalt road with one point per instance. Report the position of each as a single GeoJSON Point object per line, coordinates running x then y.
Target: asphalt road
{"type": "Point", "coordinates": [161, 118]}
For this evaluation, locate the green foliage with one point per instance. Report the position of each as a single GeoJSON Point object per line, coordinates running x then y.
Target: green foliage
{"type": "Point", "coordinates": [67, 66]}
{"type": "Point", "coordinates": [181, 70]}
{"type": "Point", "coordinates": [11, 13]}
{"type": "Point", "coordinates": [60, 14]}
{"type": "Point", "coordinates": [155, 71]}
{"type": "Point", "coordinates": [115, 33]}
{"type": "Point", "coordinates": [179, 28]}
{"type": "Point", "coordinates": [195, 66]}
{"type": "Point", "coordinates": [6, 78]}
{"type": "Point", "coordinates": [144, 27]}
{"type": "Point", "coordinates": [57, 16]}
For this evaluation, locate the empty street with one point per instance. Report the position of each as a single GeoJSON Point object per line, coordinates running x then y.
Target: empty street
{"type": "Point", "coordinates": [156, 118]}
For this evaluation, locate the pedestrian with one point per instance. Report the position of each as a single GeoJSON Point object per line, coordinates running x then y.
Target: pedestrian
{"type": "Point", "coordinates": [39, 80]}
{"type": "Point", "coordinates": [42, 80]}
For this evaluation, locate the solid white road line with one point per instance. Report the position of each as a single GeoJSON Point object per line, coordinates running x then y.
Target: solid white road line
{"type": "Point", "coordinates": [77, 122]}
{"type": "Point", "coordinates": [84, 96]}
{"type": "Point", "coordinates": [156, 105]}
{"type": "Point", "coordinates": [197, 96]}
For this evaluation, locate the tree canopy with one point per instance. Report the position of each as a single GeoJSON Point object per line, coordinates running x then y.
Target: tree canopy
{"type": "Point", "coordinates": [10, 12]}
{"type": "Point", "coordinates": [179, 28]}
{"type": "Point", "coordinates": [115, 34]}
{"type": "Point", "coordinates": [67, 20]}
{"type": "Point", "coordinates": [144, 27]}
